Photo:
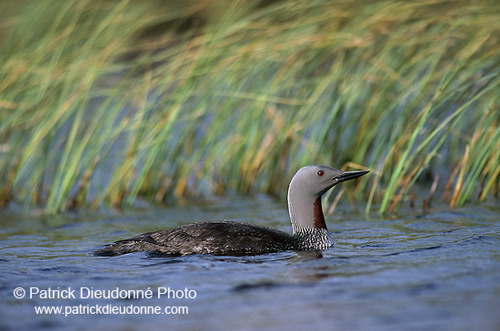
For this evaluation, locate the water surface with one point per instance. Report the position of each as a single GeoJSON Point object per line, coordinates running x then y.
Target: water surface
{"type": "Point", "coordinates": [439, 271]}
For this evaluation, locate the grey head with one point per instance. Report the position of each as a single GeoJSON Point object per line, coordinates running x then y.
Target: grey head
{"type": "Point", "coordinates": [304, 199]}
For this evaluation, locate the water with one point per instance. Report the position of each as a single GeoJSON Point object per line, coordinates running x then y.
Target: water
{"type": "Point", "coordinates": [440, 271]}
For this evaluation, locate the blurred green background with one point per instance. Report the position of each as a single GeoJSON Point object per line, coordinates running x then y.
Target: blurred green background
{"type": "Point", "coordinates": [105, 102]}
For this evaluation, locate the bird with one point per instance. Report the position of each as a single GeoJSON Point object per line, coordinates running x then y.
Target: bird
{"type": "Point", "coordinates": [309, 230]}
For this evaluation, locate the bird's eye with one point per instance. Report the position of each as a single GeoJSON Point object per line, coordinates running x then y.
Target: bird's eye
{"type": "Point", "coordinates": [320, 173]}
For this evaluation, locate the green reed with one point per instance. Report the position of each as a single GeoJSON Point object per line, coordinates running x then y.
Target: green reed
{"type": "Point", "coordinates": [102, 103]}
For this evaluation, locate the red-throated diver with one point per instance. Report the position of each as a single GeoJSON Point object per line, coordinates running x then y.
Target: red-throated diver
{"type": "Point", "coordinates": [234, 238]}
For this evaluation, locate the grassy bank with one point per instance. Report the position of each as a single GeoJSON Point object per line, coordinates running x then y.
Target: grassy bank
{"type": "Point", "coordinates": [102, 102]}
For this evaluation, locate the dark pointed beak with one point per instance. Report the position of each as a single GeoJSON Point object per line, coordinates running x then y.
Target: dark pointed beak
{"type": "Point", "coordinates": [348, 175]}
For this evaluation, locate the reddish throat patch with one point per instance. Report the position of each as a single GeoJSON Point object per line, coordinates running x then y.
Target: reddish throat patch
{"type": "Point", "coordinates": [319, 218]}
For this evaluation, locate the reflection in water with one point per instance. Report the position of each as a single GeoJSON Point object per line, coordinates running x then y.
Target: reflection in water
{"type": "Point", "coordinates": [307, 255]}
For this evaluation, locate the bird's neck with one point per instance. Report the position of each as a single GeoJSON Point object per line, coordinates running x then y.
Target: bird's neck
{"type": "Point", "coordinates": [308, 221]}
{"type": "Point", "coordinates": [306, 212]}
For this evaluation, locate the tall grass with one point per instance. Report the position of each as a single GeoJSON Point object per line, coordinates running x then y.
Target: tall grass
{"type": "Point", "coordinates": [97, 110]}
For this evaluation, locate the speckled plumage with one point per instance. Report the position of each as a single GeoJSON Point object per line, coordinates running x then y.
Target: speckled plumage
{"type": "Point", "coordinates": [235, 238]}
{"type": "Point", "coordinates": [217, 238]}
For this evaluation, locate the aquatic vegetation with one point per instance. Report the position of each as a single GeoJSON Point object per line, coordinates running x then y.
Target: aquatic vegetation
{"type": "Point", "coordinates": [103, 102]}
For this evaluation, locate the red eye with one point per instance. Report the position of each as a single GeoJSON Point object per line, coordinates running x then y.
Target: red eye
{"type": "Point", "coordinates": [320, 173]}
